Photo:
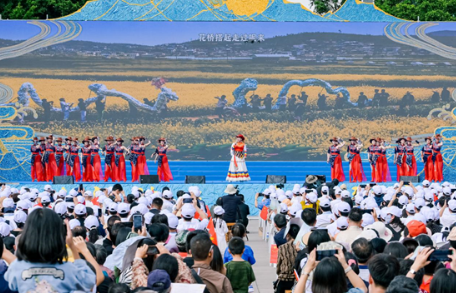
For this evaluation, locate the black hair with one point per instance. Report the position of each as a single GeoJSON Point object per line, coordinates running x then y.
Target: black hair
{"type": "Point", "coordinates": [396, 249]}
{"type": "Point", "coordinates": [362, 249]}
{"type": "Point", "coordinates": [405, 265]}
{"type": "Point", "coordinates": [355, 215]}
{"type": "Point", "coordinates": [150, 259]}
{"type": "Point", "coordinates": [241, 196]}
{"type": "Point", "coordinates": [349, 201]}
{"type": "Point", "coordinates": [179, 193]}
{"type": "Point", "coordinates": [325, 209]}
{"type": "Point", "coordinates": [424, 240]}
{"type": "Point", "coordinates": [79, 231]}
{"type": "Point", "coordinates": [309, 216]}
{"type": "Point", "coordinates": [280, 221]}
{"type": "Point", "coordinates": [110, 223]}
{"type": "Point", "coordinates": [119, 288]}
{"type": "Point", "coordinates": [101, 254]}
{"type": "Point", "coordinates": [355, 265]}
{"type": "Point", "coordinates": [317, 237]}
{"type": "Point", "coordinates": [130, 198]}
{"type": "Point", "coordinates": [9, 243]}
{"type": "Point", "coordinates": [219, 201]}
{"type": "Point", "coordinates": [1, 246]}
{"type": "Point", "coordinates": [159, 232]}
{"type": "Point", "coordinates": [114, 231]}
{"type": "Point", "coordinates": [217, 260]}
{"type": "Point", "coordinates": [93, 235]}
{"type": "Point", "coordinates": [444, 281]}
{"type": "Point", "coordinates": [20, 225]}
{"type": "Point", "coordinates": [157, 202]}
{"type": "Point", "coordinates": [190, 236]}
{"type": "Point", "coordinates": [160, 219]}
{"type": "Point", "coordinates": [43, 238]}
{"type": "Point", "coordinates": [117, 186]}
{"type": "Point", "coordinates": [236, 245]}
{"type": "Point", "coordinates": [89, 211]}
{"type": "Point", "coordinates": [165, 188]}
{"type": "Point", "coordinates": [293, 232]}
{"type": "Point", "coordinates": [378, 244]}
{"type": "Point", "coordinates": [122, 235]}
{"type": "Point", "coordinates": [169, 264]}
{"type": "Point", "coordinates": [329, 276]}
{"type": "Point", "coordinates": [91, 248]}
{"type": "Point", "coordinates": [200, 246]}
{"type": "Point", "coordinates": [238, 230]}
{"type": "Point", "coordinates": [383, 268]}
{"type": "Point", "coordinates": [402, 284]}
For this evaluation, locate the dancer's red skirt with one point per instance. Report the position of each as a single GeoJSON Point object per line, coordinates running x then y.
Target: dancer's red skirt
{"type": "Point", "coordinates": [142, 165]}
{"type": "Point", "coordinates": [61, 166]}
{"type": "Point", "coordinates": [163, 171]}
{"type": "Point", "coordinates": [383, 169]}
{"type": "Point", "coordinates": [438, 168]}
{"type": "Point", "coordinates": [337, 171]}
{"type": "Point", "coordinates": [97, 171]}
{"type": "Point", "coordinates": [429, 169]}
{"type": "Point", "coordinates": [76, 171]}
{"type": "Point", "coordinates": [51, 167]}
{"type": "Point", "coordinates": [120, 170]}
{"type": "Point", "coordinates": [356, 170]}
{"type": "Point", "coordinates": [87, 172]}
{"type": "Point", "coordinates": [109, 171]}
{"type": "Point", "coordinates": [37, 171]}
{"type": "Point", "coordinates": [411, 171]}
{"type": "Point", "coordinates": [402, 169]}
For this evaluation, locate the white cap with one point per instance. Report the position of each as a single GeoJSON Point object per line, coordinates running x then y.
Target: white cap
{"type": "Point", "coordinates": [188, 211]}
{"type": "Point", "coordinates": [70, 205]}
{"type": "Point", "coordinates": [419, 194]}
{"type": "Point", "coordinates": [337, 190]}
{"type": "Point", "coordinates": [167, 194]}
{"type": "Point", "coordinates": [20, 217]}
{"type": "Point", "coordinates": [60, 208]}
{"type": "Point", "coordinates": [142, 208]}
{"type": "Point", "coordinates": [324, 202]}
{"type": "Point", "coordinates": [294, 209]}
{"type": "Point", "coordinates": [74, 223]}
{"type": "Point", "coordinates": [80, 210]}
{"type": "Point", "coordinates": [273, 195]}
{"type": "Point", "coordinates": [312, 197]}
{"type": "Point", "coordinates": [325, 189]}
{"type": "Point", "coordinates": [342, 223]}
{"type": "Point", "coordinates": [62, 192]}
{"type": "Point", "coordinates": [403, 200]}
{"type": "Point", "coordinates": [91, 222]}
{"type": "Point", "coordinates": [446, 191]}
{"type": "Point", "coordinates": [267, 192]}
{"type": "Point", "coordinates": [45, 199]}
{"type": "Point", "coordinates": [429, 196]}
{"type": "Point", "coordinates": [5, 229]}
{"type": "Point", "coordinates": [296, 189]}
{"type": "Point", "coordinates": [99, 194]}
{"type": "Point", "coordinates": [420, 217]}
{"type": "Point", "coordinates": [377, 189]}
{"type": "Point", "coordinates": [452, 205]}
{"type": "Point", "coordinates": [143, 200]}
{"type": "Point", "coordinates": [148, 218]}
{"type": "Point", "coordinates": [218, 210]}
{"type": "Point", "coordinates": [395, 211]}
{"type": "Point", "coordinates": [81, 199]}
{"type": "Point", "coordinates": [8, 203]}
{"type": "Point", "coordinates": [408, 191]}
{"type": "Point", "coordinates": [343, 207]}
{"type": "Point", "coordinates": [112, 207]}
{"type": "Point", "coordinates": [426, 183]}
{"type": "Point", "coordinates": [419, 203]}
{"type": "Point", "coordinates": [371, 204]}
{"type": "Point", "coordinates": [48, 187]}
{"type": "Point", "coordinates": [282, 197]}
{"type": "Point", "coordinates": [283, 208]}
{"type": "Point", "coordinates": [173, 221]}
{"type": "Point", "coordinates": [135, 193]}
{"type": "Point", "coordinates": [88, 193]}
{"type": "Point", "coordinates": [346, 193]}
{"type": "Point", "coordinates": [73, 192]}
{"type": "Point", "coordinates": [123, 208]}
{"type": "Point", "coordinates": [23, 205]}
{"type": "Point", "coordinates": [289, 194]}
{"type": "Point", "coordinates": [368, 219]}
{"type": "Point", "coordinates": [410, 208]}
{"type": "Point", "coordinates": [446, 184]}
{"type": "Point", "coordinates": [32, 196]}
{"type": "Point", "coordinates": [428, 213]}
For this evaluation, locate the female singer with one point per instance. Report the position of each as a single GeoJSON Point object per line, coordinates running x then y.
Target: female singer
{"type": "Point", "coordinates": [73, 161]}
{"type": "Point", "coordinates": [163, 171]}
{"type": "Point", "coordinates": [36, 167]}
{"type": "Point", "coordinates": [95, 160]}
{"type": "Point", "coordinates": [49, 159]}
{"type": "Point", "coordinates": [135, 152]}
{"type": "Point", "coordinates": [373, 153]}
{"type": "Point", "coordinates": [108, 151]}
{"type": "Point", "coordinates": [142, 162]}
{"type": "Point", "coordinates": [238, 169]}
{"type": "Point", "coordinates": [384, 169]}
{"type": "Point", "coordinates": [356, 172]}
{"type": "Point", "coordinates": [119, 159]}
{"type": "Point", "coordinates": [87, 169]}
{"type": "Point", "coordinates": [437, 158]}
{"type": "Point", "coordinates": [66, 155]}
{"type": "Point", "coordinates": [59, 157]}
{"type": "Point", "coordinates": [410, 161]}
{"type": "Point", "coordinates": [426, 155]}
{"type": "Point", "coordinates": [334, 159]}
{"type": "Point", "coordinates": [399, 158]}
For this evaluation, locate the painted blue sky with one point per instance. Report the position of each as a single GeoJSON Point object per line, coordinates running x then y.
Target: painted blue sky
{"type": "Point", "coordinates": [155, 33]}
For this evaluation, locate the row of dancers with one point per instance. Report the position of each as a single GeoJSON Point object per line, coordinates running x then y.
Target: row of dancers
{"type": "Point", "coordinates": [404, 158]}
{"type": "Point", "coordinates": [53, 157]}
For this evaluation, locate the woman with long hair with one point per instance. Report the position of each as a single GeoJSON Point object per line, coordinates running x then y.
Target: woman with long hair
{"type": "Point", "coordinates": [410, 161]}
{"type": "Point", "coordinates": [356, 173]}
{"type": "Point", "coordinates": [73, 160]}
{"type": "Point", "coordinates": [386, 175]}
{"type": "Point", "coordinates": [36, 167]}
{"type": "Point", "coordinates": [163, 170]}
{"type": "Point", "coordinates": [334, 159]}
{"type": "Point", "coordinates": [437, 158]}
{"type": "Point", "coordinates": [60, 162]}
{"type": "Point", "coordinates": [238, 169]}
{"type": "Point", "coordinates": [120, 170]}
{"type": "Point", "coordinates": [399, 158]}
{"type": "Point", "coordinates": [48, 159]}
{"type": "Point", "coordinates": [142, 161]}
{"type": "Point", "coordinates": [135, 152]}
{"type": "Point", "coordinates": [87, 169]}
{"type": "Point", "coordinates": [426, 156]}
{"type": "Point", "coordinates": [95, 160]}
{"type": "Point", "coordinates": [108, 151]}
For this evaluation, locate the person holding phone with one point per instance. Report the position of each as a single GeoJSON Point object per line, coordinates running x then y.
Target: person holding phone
{"type": "Point", "coordinates": [356, 173]}
{"type": "Point", "coordinates": [163, 170]}
{"type": "Point", "coordinates": [334, 159]}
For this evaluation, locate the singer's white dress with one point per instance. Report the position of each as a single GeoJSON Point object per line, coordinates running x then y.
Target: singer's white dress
{"type": "Point", "coordinates": [238, 169]}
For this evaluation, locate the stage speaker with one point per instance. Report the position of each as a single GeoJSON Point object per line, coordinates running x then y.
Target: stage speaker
{"type": "Point", "coordinates": [274, 179]}
{"type": "Point", "coordinates": [63, 180]}
{"type": "Point", "coordinates": [144, 179]}
{"type": "Point", "coordinates": [195, 179]}
{"type": "Point", "coordinates": [414, 179]}
{"type": "Point", "coordinates": [321, 178]}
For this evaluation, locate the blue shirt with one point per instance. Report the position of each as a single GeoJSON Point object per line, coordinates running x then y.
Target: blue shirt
{"type": "Point", "coordinates": [279, 238]}
{"type": "Point", "coordinates": [25, 276]}
{"type": "Point", "coordinates": [247, 255]}
{"type": "Point", "coordinates": [264, 203]}
{"type": "Point", "coordinates": [3, 284]}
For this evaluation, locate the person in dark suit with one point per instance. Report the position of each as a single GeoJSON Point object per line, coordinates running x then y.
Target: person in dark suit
{"type": "Point", "coordinates": [244, 211]}
{"type": "Point", "coordinates": [280, 223]}
{"type": "Point", "coordinates": [230, 203]}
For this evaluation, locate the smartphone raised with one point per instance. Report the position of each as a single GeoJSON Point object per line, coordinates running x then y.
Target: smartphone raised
{"type": "Point", "coordinates": [362, 185]}
{"type": "Point", "coordinates": [81, 187]}
{"type": "Point", "coordinates": [367, 211]}
{"type": "Point", "coordinates": [137, 222]}
{"type": "Point", "coordinates": [187, 200]}
{"type": "Point", "coordinates": [321, 254]}
{"type": "Point", "coordinates": [152, 250]}
{"type": "Point", "coordinates": [440, 255]}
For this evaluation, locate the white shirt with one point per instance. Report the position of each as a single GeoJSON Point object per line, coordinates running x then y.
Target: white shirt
{"type": "Point", "coordinates": [193, 224]}
{"type": "Point", "coordinates": [334, 204]}
{"type": "Point", "coordinates": [324, 219]}
{"type": "Point", "coordinates": [332, 229]}
{"type": "Point", "coordinates": [448, 219]}
{"type": "Point", "coordinates": [167, 205]}
{"type": "Point", "coordinates": [296, 199]}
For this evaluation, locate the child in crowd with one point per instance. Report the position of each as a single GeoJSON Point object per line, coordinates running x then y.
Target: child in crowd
{"type": "Point", "coordinates": [238, 230]}
{"type": "Point", "coordinates": [239, 271]}
{"type": "Point", "coordinates": [220, 227]}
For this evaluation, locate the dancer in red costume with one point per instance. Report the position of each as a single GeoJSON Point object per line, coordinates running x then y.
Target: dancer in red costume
{"type": "Point", "coordinates": [142, 161]}
{"type": "Point", "coordinates": [373, 154]}
{"type": "Point", "coordinates": [399, 158]}
{"type": "Point", "coordinates": [120, 170]}
{"type": "Point", "coordinates": [135, 152]}
{"type": "Point", "coordinates": [87, 169]}
{"type": "Point", "coordinates": [334, 159]}
{"type": "Point", "coordinates": [59, 160]}
{"type": "Point", "coordinates": [95, 160]}
{"type": "Point", "coordinates": [108, 151]}
{"type": "Point", "coordinates": [426, 156]}
{"type": "Point", "coordinates": [410, 161]}
{"type": "Point", "coordinates": [437, 158]}
{"type": "Point", "coordinates": [384, 169]}
{"type": "Point", "coordinates": [163, 171]}
{"type": "Point", "coordinates": [66, 155]}
{"type": "Point", "coordinates": [36, 166]}
{"type": "Point", "coordinates": [73, 160]}
{"type": "Point", "coordinates": [356, 173]}
{"type": "Point", "coordinates": [49, 159]}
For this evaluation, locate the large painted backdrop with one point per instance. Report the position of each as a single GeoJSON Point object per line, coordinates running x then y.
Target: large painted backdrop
{"type": "Point", "coordinates": [289, 87]}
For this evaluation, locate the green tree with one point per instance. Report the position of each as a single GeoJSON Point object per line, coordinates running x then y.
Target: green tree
{"type": "Point", "coordinates": [424, 10]}
{"type": "Point", "coordinates": [325, 6]}
{"type": "Point", "coordinates": [38, 9]}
